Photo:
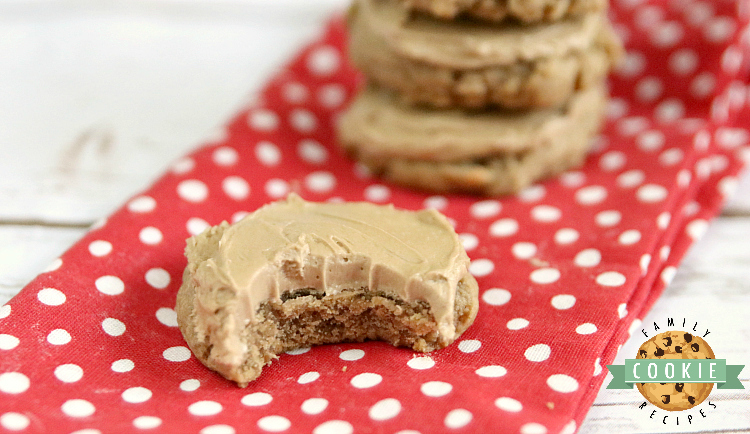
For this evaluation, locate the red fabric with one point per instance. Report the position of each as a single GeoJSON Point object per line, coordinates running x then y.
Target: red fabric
{"type": "Point", "coordinates": [575, 260]}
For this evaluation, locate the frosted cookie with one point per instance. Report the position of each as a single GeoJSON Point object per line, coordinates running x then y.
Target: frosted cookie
{"type": "Point", "coordinates": [675, 345]}
{"type": "Point", "coordinates": [488, 152]}
{"type": "Point", "coordinates": [470, 64]}
{"type": "Point", "coordinates": [295, 274]}
{"type": "Point", "coordinates": [528, 11]}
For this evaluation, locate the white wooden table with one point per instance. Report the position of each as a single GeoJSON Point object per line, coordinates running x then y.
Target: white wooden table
{"type": "Point", "coordinates": [97, 97]}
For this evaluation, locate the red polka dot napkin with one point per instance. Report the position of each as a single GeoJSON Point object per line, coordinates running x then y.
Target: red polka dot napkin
{"type": "Point", "coordinates": [565, 268]}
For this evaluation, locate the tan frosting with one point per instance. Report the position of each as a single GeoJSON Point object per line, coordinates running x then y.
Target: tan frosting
{"type": "Point", "coordinates": [465, 44]}
{"type": "Point", "coordinates": [294, 244]}
{"type": "Point", "coordinates": [385, 128]}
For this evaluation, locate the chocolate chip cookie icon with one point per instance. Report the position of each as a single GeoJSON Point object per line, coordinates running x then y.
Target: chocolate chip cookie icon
{"type": "Point", "coordinates": [675, 345]}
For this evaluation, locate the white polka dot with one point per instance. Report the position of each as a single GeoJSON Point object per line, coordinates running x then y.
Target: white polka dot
{"type": "Point", "coordinates": [683, 62]}
{"type": "Point", "coordinates": [274, 423]}
{"type": "Point", "coordinates": [332, 95]}
{"type": "Point", "coordinates": [667, 34]}
{"type": "Point", "coordinates": [113, 327]}
{"type": "Point", "coordinates": [632, 126]}
{"type": "Point", "coordinates": [650, 141]}
{"type": "Point", "coordinates": [485, 209]}
{"type": "Point", "coordinates": [532, 193]}
{"type": "Point", "coordinates": [662, 221]}
{"type": "Point", "coordinates": [263, 120]}
{"type": "Point", "coordinates": [158, 278]}
{"type": "Point", "coordinates": [634, 326]}
{"type": "Point", "coordinates": [491, 371]}
{"type": "Point", "coordinates": [295, 93]}
{"type": "Point", "coordinates": [150, 235]}
{"type": "Point", "coordinates": [167, 316]}
{"type": "Point", "coordinates": [14, 383]}
{"type": "Point", "coordinates": [545, 275]}
{"type": "Point", "coordinates": [622, 310]}
{"type": "Point", "coordinates": [8, 342]}
{"type": "Point", "coordinates": [649, 89]}
{"type": "Point", "coordinates": [78, 408]}
{"type": "Point", "coordinates": [110, 285]}
{"type": "Point", "coordinates": [225, 156]}
{"type": "Point", "coordinates": [631, 178]}
{"type": "Point", "coordinates": [504, 228]}
{"type": "Point", "coordinates": [421, 363]}
{"type": "Point", "coordinates": [385, 409]}
{"type": "Point", "coordinates": [537, 353]}
{"type": "Point", "coordinates": [312, 151]}
{"type": "Point", "coordinates": [239, 215]}
{"type": "Point", "coordinates": [469, 241]}
{"type": "Point", "coordinates": [256, 399]}
{"type": "Point", "coordinates": [365, 380]}
{"type": "Point", "coordinates": [608, 218]}
{"type": "Point", "coordinates": [314, 405]}
{"type": "Point", "coordinates": [276, 188]}
{"type": "Point", "coordinates": [481, 267]}
{"type": "Point", "coordinates": [612, 160]}
{"type": "Point", "coordinates": [58, 337]}
{"type": "Point", "coordinates": [563, 301]}
{"type": "Point", "coordinates": [562, 383]}
{"type": "Point", "coordinates": [218, 429]}
{"type": "Point", "coordinates": [182, 166]}
{"type": "Point", "coordinates": [508, 404]}
{"type": "Point", "coordinates": [644, 262]}
{"type": "Point", "coordinates": [205, 408]}
{"type": "Point", "coordinates": [697, 228]}
{"type": "Point", "coordinates": [190, 385]}
{"type": "Point", "coordinates": [496, 296]}
{"type": "Point", "coordinates": [610, 278]}
{"type": "Point", "coordinates": [664, 252]}
{"type": "Point", "coordinates": [588, 258]}
{"type": "Point", "coordinates": [308, 377]}
{"type": "Point", "coordinates": [192, 190]}
{"type": "Point", "coordinates": [670, 110]}
{"type": "Point", "coordinates": [267, 153]}
{"type": "Point", "coordinates": [146, 422]}
{"type": "Point", "coordinates": [728, 186]}
{"type": "Point", "coordinates": [324, 61]}
{"type": "Point", "coordinates": [517, 324]}
{"type": "Point", "coordinates": [377, 193]}
{"type": "Point", "coordinates": [458, 418]}
{"type": "Point", "coordinates": [13, 421]}
{"type": "Point", "coordinates": [545, 213]}
{"type": "Point", "coordinates": [667, 275]}
{"type": "Point", "coordinates": [523, 250]}
{"type": "Point", "coordinates": [469, 345]}
{"type": "Point", "coordinates": [351, 355]}
{"type": "Point", "coordinates": [617, 108]}
{"type": "Point", "coordinates": [235, 187]}
{"type": "Point", "coordinates": [586, 329]}
{"type": "Point", "coordinates": [566, 236]}
{"type": "Point", "coordinates": [56, 264]}
{"type": "Point", "coordinates": [196, 226]}
{"type": "Point", "coordinates": [650, 193]}
{"type": "Point", "coordinates": [436, 389]}
{"type": "Point", "coordinates": [719, 29]}
{"type": "Point", "coordinates": [136, 395]}
{"type": "Point", "coordinates": [732, 138]}
{"type": "Point", "coordinates": [629, 237]}
{"type": "Point", "coordinates": [597, 366]}
{"type": "Point", "coordinates": [298, 351]}
{"type": "Point", "coordinates": [703, 85]}
{"type": "Point", "coordinates": [303, 121]}
{"type": "Point", "coordinates": [100, 248]}
{"type": "Point", "coordinates": [122, 365]}
{"type": "Point", "coordinates": [176, 354]}
{"type": "Point", "coordinates": [633, 65]}
{"type": "Point", "coordinates": [5, 311]}
{"type": "Point", "coordinates": [533, 428]}
{"type": "Point", "coordinates": [320, 182]}
{"type": "Point", "coordinates": [570, 427]}
{"type": "Point", "coordinates": [51, 296]}
{"type": "Point", "coordinates": [591, 195]}
{"type": "Point", "coordinates": [334, 427]}
{"type": "Point", "coordinates": [435, 202]}
{"type": "Point", "coordinates": [572, 179]}
{"type": "Point", "coordinates": [69, 373]}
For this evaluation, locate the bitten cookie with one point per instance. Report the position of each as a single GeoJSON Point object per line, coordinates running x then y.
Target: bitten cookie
{"type": "Point", "coordinates": [490, 152]}
{"type": "Point", "coordinates": [295, 273]}
{"type": "Point", "coordinates": [528, 11]}
{"type": "Point", "coordinates": [469, 64]}
{"type": "Point", "coordinates": [675, 345]}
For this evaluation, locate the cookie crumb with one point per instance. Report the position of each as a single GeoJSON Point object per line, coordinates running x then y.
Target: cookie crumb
{"type": "Point", "coordinates": [343, 369]}
{"type": "Point", "coordinates": [551, 405]}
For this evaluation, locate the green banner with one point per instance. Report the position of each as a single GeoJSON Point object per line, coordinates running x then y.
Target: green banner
{"type": "Point", "coordinates": [675, 371]}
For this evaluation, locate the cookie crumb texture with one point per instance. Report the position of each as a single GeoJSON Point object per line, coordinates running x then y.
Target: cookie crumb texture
{"type": "Point", "coordinates": [236, 322]}
{"type": "Point", "coordinates": [528, 11]}
{"type": "Point", "coordinates": [675, 345]}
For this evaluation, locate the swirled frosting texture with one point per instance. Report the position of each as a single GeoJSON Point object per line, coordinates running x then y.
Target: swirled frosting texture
{"type": "Point", "coordinates": [294, 244]}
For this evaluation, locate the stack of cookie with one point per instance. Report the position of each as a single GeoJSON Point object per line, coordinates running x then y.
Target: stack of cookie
{"type": "Point", "coordinates": [476, 96]}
